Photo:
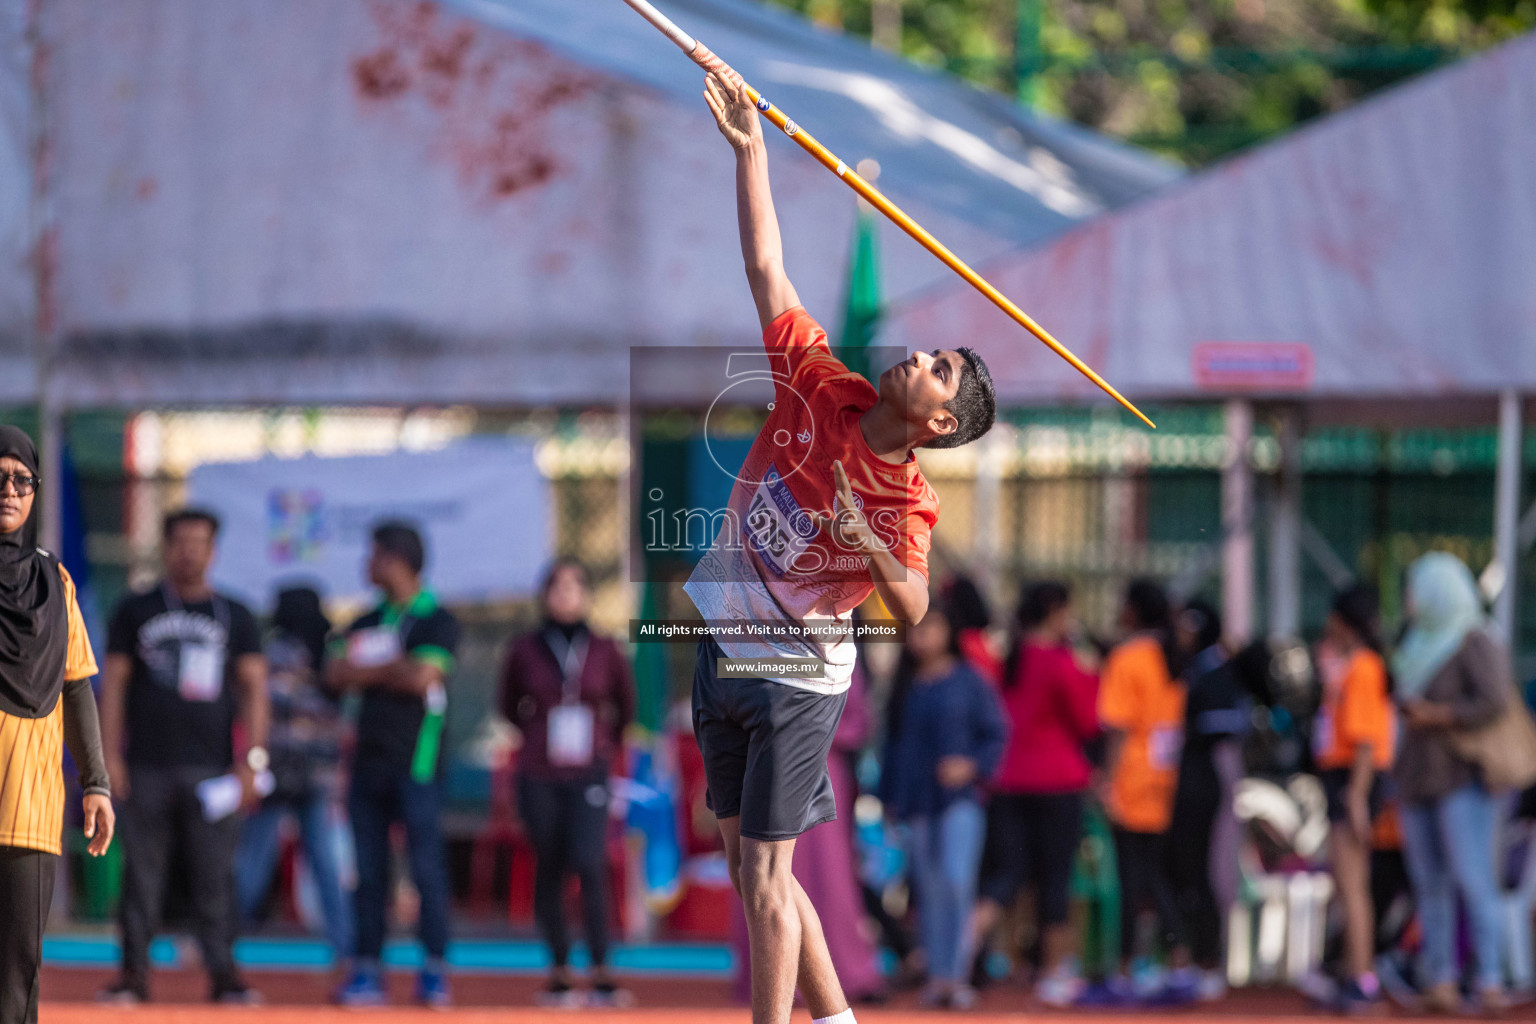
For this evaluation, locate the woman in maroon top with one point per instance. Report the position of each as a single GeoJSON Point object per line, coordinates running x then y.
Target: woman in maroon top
{"type": "Point", "coordinates": [1034, 820]}
{"type": "Point", "coordinates": [570, 692]}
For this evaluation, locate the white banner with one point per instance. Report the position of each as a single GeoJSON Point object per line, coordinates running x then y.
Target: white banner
{"type": "Point", "coordinates": [482, 506]}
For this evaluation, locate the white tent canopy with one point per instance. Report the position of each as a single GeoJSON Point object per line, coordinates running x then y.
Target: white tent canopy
{"type": "Point", "coordinates": [1387, 252]}
{"type": "Point", "coordinates": [303, 201]}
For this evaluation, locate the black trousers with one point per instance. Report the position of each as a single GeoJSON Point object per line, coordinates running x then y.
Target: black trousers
{"type": "Point", "coordinates": [1189, 867]}
{"type": "Point", "coordinates": [162, 816]}
{"type": "Point", "coordinates": [567, 823]}
{"type": "Point", "coordinates": [1141, 860]}
{"type": "Point", "coordinates": [26, 894]}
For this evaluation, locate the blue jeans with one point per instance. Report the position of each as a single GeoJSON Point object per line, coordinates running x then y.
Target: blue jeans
{"type": "Point", "coordinates": [257, 854]}
{"type": "Point", "coordinates": [377, 800]}
{"type": "Point", "coordinates": [946, 856]}
{"type": "Point", "coordinates": [1448, 846]}
{"type": "Point", "coordinates": [1517, 907]}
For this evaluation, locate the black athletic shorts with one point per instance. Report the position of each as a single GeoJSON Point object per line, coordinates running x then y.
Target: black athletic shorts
{"type": "Point", "coordinates": [1336, 786]}
{"type": "Point", "coordinates": [765, 747]}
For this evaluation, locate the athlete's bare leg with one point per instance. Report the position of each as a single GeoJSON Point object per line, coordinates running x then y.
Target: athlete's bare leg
{"type": "Point", "coordinates": [787, 943]}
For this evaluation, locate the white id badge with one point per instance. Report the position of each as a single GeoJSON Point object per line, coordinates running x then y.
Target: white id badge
{"type": "Point", "coordinates": [570, 735]}
{"type": "Point", "coordinates": [201, 675]}
{"type": "Point", "coordinates": [1322, 734]}
{"type": "Point", "coordinates": [370, 648]}
{"type": "Point", "coordinates": [1165, 745]}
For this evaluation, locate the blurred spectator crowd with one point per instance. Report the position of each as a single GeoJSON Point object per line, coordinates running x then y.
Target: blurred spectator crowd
{"type": "Point", "coordinates": [1142, 819]}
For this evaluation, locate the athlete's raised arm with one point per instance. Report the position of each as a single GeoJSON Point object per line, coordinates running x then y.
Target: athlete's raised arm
{"type": "Point", "coordinates": [761, 245]}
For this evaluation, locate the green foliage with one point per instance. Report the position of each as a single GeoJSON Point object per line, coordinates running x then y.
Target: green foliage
{"type": "Point", "coordinates": [1194, 79]}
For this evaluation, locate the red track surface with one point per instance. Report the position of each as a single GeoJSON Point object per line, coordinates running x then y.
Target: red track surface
{"type": "Point", "coordinates": [483, 999]}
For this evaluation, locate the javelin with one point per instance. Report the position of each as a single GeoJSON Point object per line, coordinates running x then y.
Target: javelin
{"type": "Point", "coordinates": [709, 62]}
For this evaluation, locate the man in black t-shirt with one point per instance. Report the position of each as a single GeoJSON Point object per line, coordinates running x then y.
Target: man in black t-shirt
{"type": "Point", "coordinates": [399, 657]}
{"type": "Point", "coordinates": [183, 662]}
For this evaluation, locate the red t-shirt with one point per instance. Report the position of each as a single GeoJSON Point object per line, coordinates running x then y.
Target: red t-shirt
{"type": "Point", "coordinates": [976, 649]}
{"type": "Point", "coordinates": [770, 562]}
{"type": "Point", "coordinates": [1053, 706]}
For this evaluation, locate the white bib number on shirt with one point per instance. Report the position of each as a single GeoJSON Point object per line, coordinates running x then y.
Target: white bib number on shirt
{"type": "Point", "coordinates": [200, 675]}
{"type": "Point", "coordinates": [1322, 734]}
{"type": "Point", "coordinates": [1164, 746]}
{"type": "Point", "coordinates": [571, 731]}
{"type": "Point", "coordinates": [776, 527]}
{"type": "Point", "coordinates": [371, 648]}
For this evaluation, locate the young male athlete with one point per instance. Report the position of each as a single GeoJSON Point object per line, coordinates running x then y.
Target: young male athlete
{"type": "Point", "coordinates": [828, 506]}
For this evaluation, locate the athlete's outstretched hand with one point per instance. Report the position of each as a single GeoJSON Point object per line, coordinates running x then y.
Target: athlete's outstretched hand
{"type": "Point", "coordinates": [849, 530]}
{"type": "Point", "coordinates": [734, 112]}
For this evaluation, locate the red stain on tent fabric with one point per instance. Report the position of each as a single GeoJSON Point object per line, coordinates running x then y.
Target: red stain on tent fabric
{"type": "Point", "coordinates": [493, 95]}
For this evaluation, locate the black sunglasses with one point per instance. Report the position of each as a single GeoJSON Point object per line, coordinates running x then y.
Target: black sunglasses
{"type": "Point", "coordinates": [25, 483]}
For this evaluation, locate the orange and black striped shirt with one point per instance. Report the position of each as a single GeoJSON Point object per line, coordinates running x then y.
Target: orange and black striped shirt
{"type": "Point", "coordinates": [32, 753]}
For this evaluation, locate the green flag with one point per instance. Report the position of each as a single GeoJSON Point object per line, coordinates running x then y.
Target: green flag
{"type": "Point", "coordinates": [861, 315]}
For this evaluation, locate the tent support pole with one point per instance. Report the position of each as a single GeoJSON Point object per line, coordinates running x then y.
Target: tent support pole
{"type": "Point", "coordinates": [1506, 516]}
{"type": "Point", "coordinates": [1237, 520]}
{"type": "Point", "coordinates": [986, 512]}
{"type": "Point", "coordinates": [1285, 531]}
{"type": "Point", "coordinates": [50, 421]}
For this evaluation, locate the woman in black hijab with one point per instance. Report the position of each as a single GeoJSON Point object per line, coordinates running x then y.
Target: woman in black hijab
{"type": "Point", "coordinates": [45, 701]}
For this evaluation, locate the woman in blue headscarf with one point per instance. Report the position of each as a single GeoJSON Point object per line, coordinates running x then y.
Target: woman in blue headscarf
{"type": "Point", "coordinates": [1450, 674]}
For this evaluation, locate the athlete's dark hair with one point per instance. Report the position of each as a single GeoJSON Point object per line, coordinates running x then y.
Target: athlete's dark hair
{"type": "Point", "coordinates": [905, 673]}
{"type": "Point", "coordinates": [1148, 603]}
{"type": "Point", "coordinates": [402, 540]}
{"type": "Point", "coordinates": [566, 563]}
{"type": "Point", "coordinates": [974, 405]}
{"type": "Point", "coordinates": [965, 603]}
{"type": "Point", "coordinates": [1359, 607]}
{"type": "Point", "coordinates": [1201, 618]}
{"type": "Point", "coordinates": [1153, 613]}
{"type": "Point", "coordinates": [1037, 602]}
{"type": "Point", "coordinates": [188, 515]}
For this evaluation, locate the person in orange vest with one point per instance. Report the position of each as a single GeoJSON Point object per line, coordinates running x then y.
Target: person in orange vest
{"type": "Point", "coordinates": [1141, 710]}
{"type": "Point", "coordinates": [1353, 739]}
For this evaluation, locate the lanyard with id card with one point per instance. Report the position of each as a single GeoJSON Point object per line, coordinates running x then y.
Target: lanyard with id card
{"type": "Point", "coordinates": [374, 647]}
{"type": "Point", "coordinates": [572, 725]}
{"type": "Point", "coordinates": [200, 674]}
{"type": "Point", "coordinates": [200, 663]}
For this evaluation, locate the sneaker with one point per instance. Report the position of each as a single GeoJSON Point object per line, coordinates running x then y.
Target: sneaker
{"type": "Point", "coordinates": [1148, 979]}
{"type": "Point", "coordinates": [124, 992]}
{"type": "Point", "coordinates": [363, 988]}
{"type": "Point", "coordinates": [1444, 998]}
{"type": "Point", "coordinates": [1115, 990]}
{"type": "Point", "coordinates": [1213, 986]}
{"type": "Point", "coordinates": [608, 996]}
{"type": "Point", "coordinates": [1492, 1002]}
{"type": "Point", "coordinates": [963, 998]}
{"type": "Point", "coordinates": [1320, 989]}
{"type": "Point", "coordinates": [1060, 990]}
{"type": "Point", "coordinates": [1355, 997]}
{"type": "Point", "coordinates": [1395, 973]}
{"type": "Point", "coordinates": [1180, 987]}
{"type": "Point", "coordinates": [934, 997]}
{"type": "Point", "coordinates": [559, 996]}
{"type": "Point", "coordinates": [1519, 996]}
{"type": "Point", "coordinates": [234, 992]}
{"type": "Point", "coordinates": [432, 990]}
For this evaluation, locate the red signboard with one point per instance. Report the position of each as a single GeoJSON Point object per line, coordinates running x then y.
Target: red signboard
{"type": "Point", "coordinates": [1253, 366]}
